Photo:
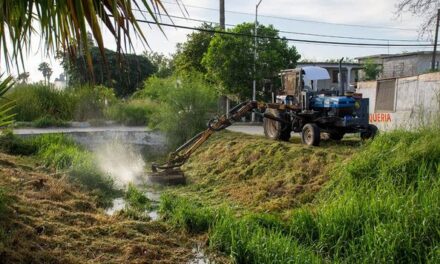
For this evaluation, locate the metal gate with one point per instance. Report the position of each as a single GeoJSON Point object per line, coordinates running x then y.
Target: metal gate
{"type": "Point", "coordinates": [385, 95]}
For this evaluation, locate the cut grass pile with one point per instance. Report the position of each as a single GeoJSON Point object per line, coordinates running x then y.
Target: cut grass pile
{"type": "Point", "coordinates": [49, 220]}
{"type": "Point", "coordinates": [261, 174]}
{"type": "Point", "coordinates": [381, 206]}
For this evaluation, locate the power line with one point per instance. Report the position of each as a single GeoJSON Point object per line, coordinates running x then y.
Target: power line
{"type": "Point", "coordinates": [300, 20]}
{"type": "Point", "coordinates": [292, 32]}
{"type": "Point", "coordinates": [287, 39]}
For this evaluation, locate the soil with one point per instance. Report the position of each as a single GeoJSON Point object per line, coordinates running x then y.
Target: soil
{"type": "Point", "coordinates": [49, 220]}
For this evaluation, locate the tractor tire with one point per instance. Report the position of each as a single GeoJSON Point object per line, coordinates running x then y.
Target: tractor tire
{"type": "Point", "coordinates": [274, 129]}
{"type": "Point", "coordinates": [311, 135]}
{"type": "Point", "coordinates": [336, 135]}
{"type": "Point", "coordinates": [371, 132]}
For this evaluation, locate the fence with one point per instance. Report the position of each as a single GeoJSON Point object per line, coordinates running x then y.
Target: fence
{"type": "Point", "coordinates": [405, 103]}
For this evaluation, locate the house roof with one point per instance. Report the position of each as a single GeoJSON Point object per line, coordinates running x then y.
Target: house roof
{"type": "Point", "coordinates": [383, 56]}
{"type": "Point", "coordinates": [329, 64]}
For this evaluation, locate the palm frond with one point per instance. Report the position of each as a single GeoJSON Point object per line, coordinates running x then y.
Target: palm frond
{"type": "Point", "coordinates": [63, 24]}
{"type": "Point", "coordinates": [6, 105]}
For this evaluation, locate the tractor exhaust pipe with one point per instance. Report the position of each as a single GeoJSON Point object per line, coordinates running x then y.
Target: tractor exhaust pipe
{"type": "Point", "coordinates": [341, 85]}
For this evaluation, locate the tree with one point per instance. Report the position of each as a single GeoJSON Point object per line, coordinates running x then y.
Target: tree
{"type": "Point", "coordinates": [163, 66]}
{"type": "Point", "coordinates": [230, 59]}
{"type": "Point", "coordinates": [46, 70]}
{"type": "Point", "coordinates": [189, 54]}
{"type": "Point", "coordinates": [124, 73]}
{"type": "Point", "coordinates": [425, 9]}
{"type": "Point", "coordinates": [371, 70]}
{"type": "Point", "coordinates": [23, 77]}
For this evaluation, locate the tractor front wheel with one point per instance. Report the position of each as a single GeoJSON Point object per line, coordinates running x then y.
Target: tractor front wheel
{"type": "Point", "coordinates": [311, 135]}
{"type": "Point", "coordinates": [274, 129]}
{"type": "Point", "coordinates": [370, 132]}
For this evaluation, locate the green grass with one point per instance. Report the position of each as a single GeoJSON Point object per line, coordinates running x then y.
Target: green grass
{"type": "Point", "coordinates": [62, 153]}
{"type": "Point", "coordinates": [381, 206]}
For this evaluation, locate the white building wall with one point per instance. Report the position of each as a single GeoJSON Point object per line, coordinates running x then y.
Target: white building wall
{"type": "Point", "coordinates": [416, 104]}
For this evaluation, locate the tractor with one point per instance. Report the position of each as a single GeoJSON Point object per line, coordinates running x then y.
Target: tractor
{"type": "Point", "coordinates": [300, 107]}
{"type": "Point", "coordinates": [334, 112]}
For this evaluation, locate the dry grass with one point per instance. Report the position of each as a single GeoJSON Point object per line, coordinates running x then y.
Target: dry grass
{"type": "Point", "coordinates": [51, 221]}
{"type": "Point", "coordinates": [262, 174]}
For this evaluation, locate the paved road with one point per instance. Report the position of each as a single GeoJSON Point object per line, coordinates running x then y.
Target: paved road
{"type": "Point", "coordinates": [247, 129]}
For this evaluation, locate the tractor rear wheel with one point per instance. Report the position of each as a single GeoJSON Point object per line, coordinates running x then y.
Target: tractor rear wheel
{"type": "Point", "coordinates": [274, 129]}
{"type": "Point", "coordinates": [311, 135]}
{"type": "Point", "coordinates": [370, 132]}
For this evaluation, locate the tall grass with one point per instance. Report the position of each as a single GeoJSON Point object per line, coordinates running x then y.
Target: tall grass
{"type": "Point", "coordinates": [41, 103]}
{"type": "Point", "coordinates": [383, 206]}
{"type": "Point", "coordinates": [36, 101]}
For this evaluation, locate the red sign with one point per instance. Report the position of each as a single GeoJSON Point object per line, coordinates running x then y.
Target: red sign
{"type": "Point", "coordinates": [380, 117]}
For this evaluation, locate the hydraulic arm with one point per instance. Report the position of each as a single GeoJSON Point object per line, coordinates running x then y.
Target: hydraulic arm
{"type": "Point", "coordinates": [177, 158]}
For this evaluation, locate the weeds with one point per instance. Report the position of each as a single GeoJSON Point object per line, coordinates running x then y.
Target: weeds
{"type": "Point", "coordinates": [382, 206]}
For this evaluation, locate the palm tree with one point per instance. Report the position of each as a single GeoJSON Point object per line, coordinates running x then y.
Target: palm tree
{"type": "Point", "coordinates": [23, 77]}
{"type": "Point", "coordinates": [46, 70]}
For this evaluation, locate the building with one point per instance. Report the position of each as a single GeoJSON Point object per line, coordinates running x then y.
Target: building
{"type": "Point", "coordinates": [402, 64]}
{"type": "Point", "coordinates": [349, 74]}
{"type": "Point", "coordinates": [405, 103]}
{"type": "Point", "coordinates": [60, 82]}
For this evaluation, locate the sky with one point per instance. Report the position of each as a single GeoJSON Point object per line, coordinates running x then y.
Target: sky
{"type": "Point", "coordinates": [352, 18]}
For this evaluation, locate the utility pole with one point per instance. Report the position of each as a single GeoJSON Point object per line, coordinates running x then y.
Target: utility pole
{"type": "Point", "coordinates": [435, 42]}
{"type": "Point", "coordinates": [254, 83]}
{"type": "Point", "coordinates": [223, 100]}
{"type": "Point", "coordinates": [222, 14]}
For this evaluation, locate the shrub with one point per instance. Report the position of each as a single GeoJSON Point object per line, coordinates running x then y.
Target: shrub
{"type": "Point", "coordinates": [186, 103]}
{"type": "Point", "coordinates": [90, 101]}
{"type": "Point", "coordinates": [48, 121]}
{"type": "Point", "coordinates": [132, 113]}
{"type": "Point", "coordinates": [14, 145]}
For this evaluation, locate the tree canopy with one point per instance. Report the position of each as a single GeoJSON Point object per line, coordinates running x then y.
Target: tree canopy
{"type": "Point", "coordinates": [189, 54]}
{"type": "Point", "coordinates": [124, 73]}
{"type": "Point", "coordinates": [230, 58]}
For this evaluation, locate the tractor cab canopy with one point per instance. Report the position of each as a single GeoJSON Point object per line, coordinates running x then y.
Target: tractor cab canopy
{"type": "Point", "coordinates": [296, 80]}
{"type": "Point", "coordinates": [314, 73]}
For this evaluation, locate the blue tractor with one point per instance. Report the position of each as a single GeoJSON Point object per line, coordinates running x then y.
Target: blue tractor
{"type": "Point", "coordinates": [300, 108]}
{"type": "Point", "coordinates": [313, 111]}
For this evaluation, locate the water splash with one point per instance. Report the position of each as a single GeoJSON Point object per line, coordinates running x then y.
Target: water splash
{"type": "Point", "coordinates": [122, 162]}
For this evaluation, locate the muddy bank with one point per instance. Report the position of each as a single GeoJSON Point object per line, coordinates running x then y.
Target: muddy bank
{"type": "Point", "coordinates": [48, 220]}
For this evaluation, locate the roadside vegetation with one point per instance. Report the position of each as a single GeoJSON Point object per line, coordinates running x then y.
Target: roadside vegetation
{"type": "Point", "coordinates": [381, 205]}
